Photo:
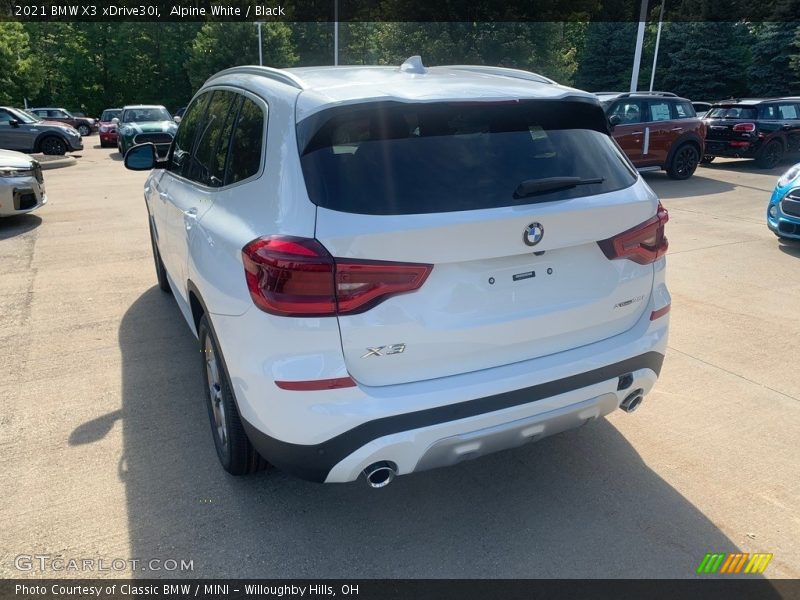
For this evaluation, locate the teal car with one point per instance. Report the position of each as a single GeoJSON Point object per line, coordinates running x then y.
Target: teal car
{"type": "Point", "coordinates": [783, 210]}
{"type": "Point", "coordinates": [145, 123]}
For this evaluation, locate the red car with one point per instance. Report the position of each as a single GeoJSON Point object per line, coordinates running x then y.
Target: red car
{"type": "Point", "coordinates": [656, 130]}
{"type": "Point", "coordinates": [108, 129]}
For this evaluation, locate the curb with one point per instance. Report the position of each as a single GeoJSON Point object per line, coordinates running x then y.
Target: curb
{"type": "Point", "coordinates": [55, 162]}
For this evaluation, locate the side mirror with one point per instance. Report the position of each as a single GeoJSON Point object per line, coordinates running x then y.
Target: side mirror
{"type": "Point", "coordinates": [177, 119]}
{"type": "Point", "coordinates": [614, 120]}
{"type": "Point", "coordinates": [13, 122]}
{"type": "Point", "coordinates": [115, 121]}
{"type": "Point", "coordinates": [141, 157]}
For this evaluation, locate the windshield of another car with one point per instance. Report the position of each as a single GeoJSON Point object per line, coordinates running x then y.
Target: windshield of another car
{"type": "Point", "coordinates": [110, 114]}
{"type": "Point", "coordinates": [732, 112]}
{"type": "Point", "coordinates": [138, 115]}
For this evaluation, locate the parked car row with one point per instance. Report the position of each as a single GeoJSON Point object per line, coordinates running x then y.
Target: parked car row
{"type": "Point", "coordinates": [659, 130]}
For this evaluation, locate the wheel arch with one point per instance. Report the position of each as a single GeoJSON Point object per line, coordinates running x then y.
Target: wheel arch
{"type": "Point", "coordinates": [37, 144]}
{"type": "Point", "coordinates": [687, 138]}
{"type": "Point", "coordinates": [197, 305]}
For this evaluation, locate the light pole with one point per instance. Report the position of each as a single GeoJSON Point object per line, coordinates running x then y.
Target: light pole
{"type": "Point", "coordinates": [335, 33]}
{"type": "Point", "coordinates": [658, 39]}
{"type": "Point", "coordinates": [637, 56]}
{"type": "Point", "coordinates": [260, 44]}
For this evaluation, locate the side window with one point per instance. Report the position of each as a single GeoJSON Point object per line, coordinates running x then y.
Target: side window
{"type": "Point", "coordinates": [769, 112]}
{"type": "Point", "coordinates": [244, 157]}
{"type": "Point", "coordinates": [207, 168]}
{"type": "Point", "coordinates": [684, 110]}
{"type": "Point", "coordinates": [659, 111]}
{"type": "Point", "coordinates": [787, 111]}
{"type": "Point", "coordinates": [182, 146]}
{"type": "Point", "coordinates": [54, 114]}
{"type": "Point", "coordinates": [628, 112]}
{"type": "Point", "coordinates": [5, 117]}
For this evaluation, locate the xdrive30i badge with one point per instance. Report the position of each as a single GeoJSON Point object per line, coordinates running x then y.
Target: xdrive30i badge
{"type": "Point", "coordinates": [533, 234]}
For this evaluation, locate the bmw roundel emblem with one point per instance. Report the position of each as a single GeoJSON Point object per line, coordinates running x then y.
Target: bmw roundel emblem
{"type": "Point", "coordinates": [533, 234]}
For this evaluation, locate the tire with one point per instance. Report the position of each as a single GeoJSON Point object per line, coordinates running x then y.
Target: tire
{"type": "Point", "coordinates": [84, 129]}
{"type": "Point", "coordinates": [684, 162]}
{"type": "Point", "coordinates": [53, 145]}
{"type": "Point", "coordinates": [235, 452]}
{"type": "Point", "coordinates": [707, 159]}
{"type": "Point", "coordinates": [161, 272]}
{"type": "Point", "coordinates": [770, 155]}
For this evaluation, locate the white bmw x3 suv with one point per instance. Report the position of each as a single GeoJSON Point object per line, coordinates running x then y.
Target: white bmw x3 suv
{"type": "Point", "coordinates": [395, 269]}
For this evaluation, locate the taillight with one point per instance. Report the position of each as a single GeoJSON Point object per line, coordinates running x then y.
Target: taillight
{"type": "Point", "coordinates": [749, 127]}
{"type": "Point", "coordinates": [642, 244]}
{"type": "Point", "coordinates": [297, 277]}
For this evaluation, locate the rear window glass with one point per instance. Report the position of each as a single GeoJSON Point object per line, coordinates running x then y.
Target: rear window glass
{"type": "Point", "coordinates": [732, 112]}
{"type": "Point", "coordinates": [390, 158]}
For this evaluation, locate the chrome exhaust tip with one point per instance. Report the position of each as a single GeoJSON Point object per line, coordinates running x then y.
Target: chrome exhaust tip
{"type": "Point", "coordinates": [380, 474]}
{"type": "Point", "coordinates": [632, 401]}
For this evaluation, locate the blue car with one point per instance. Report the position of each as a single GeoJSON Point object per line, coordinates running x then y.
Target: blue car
{"type": "Point", "coordinates": [783, 212]}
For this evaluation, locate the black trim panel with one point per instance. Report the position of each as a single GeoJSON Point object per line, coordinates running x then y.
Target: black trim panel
{"type": "Point", "coordinates": [314, 462]}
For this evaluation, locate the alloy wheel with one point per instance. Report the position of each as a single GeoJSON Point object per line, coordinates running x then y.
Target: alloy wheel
{"type": "Point", "coordinates": [215, 394]}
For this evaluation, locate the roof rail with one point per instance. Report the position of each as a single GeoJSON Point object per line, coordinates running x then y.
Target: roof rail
{"type": "Point", "coordinates": [628, 94]}
{"type": "Point", "coordinates": [278, 75]}
{"type": "Point", "coordinates": [503, 72]}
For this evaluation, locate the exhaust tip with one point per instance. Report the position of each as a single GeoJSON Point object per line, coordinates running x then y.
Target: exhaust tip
{"type": "Point", "coordinates": [380, 474]}
{"type": "Point", "coordinates": [632, 401]}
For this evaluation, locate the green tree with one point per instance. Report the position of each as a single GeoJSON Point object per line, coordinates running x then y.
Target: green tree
{"type": "Point", "coordinates": [770, 72]}
{"type": "Point", "coordinates": [218, 46]}
{"type": "Point", "coordinates": [20, 72]}
{"type": "Point", "coordinates": [606, 59]}
{"type": "Point", "coordinates": [704, 60]}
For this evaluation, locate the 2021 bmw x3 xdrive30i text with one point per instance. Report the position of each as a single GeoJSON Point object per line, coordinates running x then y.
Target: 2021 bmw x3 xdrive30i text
{"type": "Point", "coordinates": [395, 269]}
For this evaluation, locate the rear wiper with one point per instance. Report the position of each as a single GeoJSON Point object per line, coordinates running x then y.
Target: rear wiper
{"type": "Point", "coordinates": [531, 187]}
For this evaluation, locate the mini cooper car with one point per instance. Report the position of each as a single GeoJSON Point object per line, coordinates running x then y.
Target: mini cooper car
{"type": "Point", "coordinates": [763, 129]}
{"type": "Point", "coordinates": [24, 132]}
{"type": "Point", "coordinates": [656, 130]}
{"type": "Point", "coordinates": [108, 128]}
{"type": "Point", "coordinates": [84, 125]}
{"type": "Point", "coordinates": [783, 211]}
{"type": "Point", "coordinates": [392, 269]}
{"type": "Point", "coordinates": [21, 184]}
{"type": "Point", "coordinates": [145, 124]}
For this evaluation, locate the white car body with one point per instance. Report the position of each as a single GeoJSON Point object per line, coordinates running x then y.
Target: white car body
{"type": "Point", "coordinates": [502, 343]}
{"type": "Point", "coordinates": [21, 184]}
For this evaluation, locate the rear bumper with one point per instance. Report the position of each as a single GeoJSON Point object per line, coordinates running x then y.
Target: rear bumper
{"type": "Point", "coordinates": [449, 434]}
{"type": "Point", "coordinates": [724, 148]}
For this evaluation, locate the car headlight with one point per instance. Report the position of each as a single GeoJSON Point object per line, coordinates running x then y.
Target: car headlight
{"type": "Point", "coordinates": [773, 211]}
{"type": "Point", "coordinates": [789, 176]}
{"type": "Point", "coordinates": [13, 172]}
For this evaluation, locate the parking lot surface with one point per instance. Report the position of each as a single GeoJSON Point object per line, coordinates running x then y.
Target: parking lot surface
{"type": "Point", "coordinates": [105, 448]}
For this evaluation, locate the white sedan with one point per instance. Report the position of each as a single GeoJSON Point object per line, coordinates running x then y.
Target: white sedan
{"type": "Point", "coordinates": [21, 184]}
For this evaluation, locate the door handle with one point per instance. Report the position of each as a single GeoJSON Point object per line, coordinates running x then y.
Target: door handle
{"type": "Point", "coordinates": [637, 133]}
{"type": "Point", "coordinates": [677, 129]}
{"type": "Point", "coordinates": [189, 218]}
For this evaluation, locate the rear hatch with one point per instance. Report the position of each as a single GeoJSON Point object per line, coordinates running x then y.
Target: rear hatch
{"type": "Point", "coordinates": [721, 125]}
{"type": "Point", "coordinates": [505, 201]}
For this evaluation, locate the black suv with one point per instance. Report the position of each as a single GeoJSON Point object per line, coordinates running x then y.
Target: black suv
{"type": "Point", "coordinates": [753, 128]}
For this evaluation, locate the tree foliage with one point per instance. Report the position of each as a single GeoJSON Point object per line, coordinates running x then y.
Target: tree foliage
{"type": "Point", "coordinates": [91, 66]}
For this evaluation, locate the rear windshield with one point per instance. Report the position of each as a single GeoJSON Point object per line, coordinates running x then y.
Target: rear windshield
{"type": "Point", "coordinates": [390, 158]}
{"type": "Point", "coordinates": [732, 112]}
